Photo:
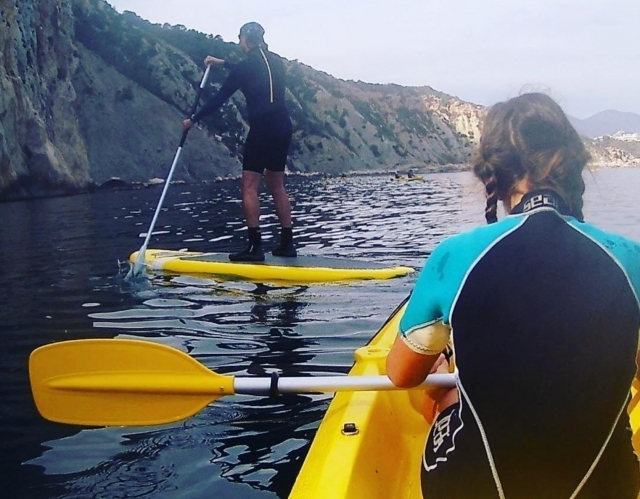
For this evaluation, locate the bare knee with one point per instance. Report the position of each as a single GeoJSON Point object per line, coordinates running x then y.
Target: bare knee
{"type": "Point", "coordinates": [250, 183]}
{"type": "Point", "coordinates": [249, 190]}
{"type": "Point", "coordinates": [274, 181]}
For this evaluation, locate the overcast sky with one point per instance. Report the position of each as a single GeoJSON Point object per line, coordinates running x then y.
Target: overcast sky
{"type": "Point", "coordinates": [584, 53]}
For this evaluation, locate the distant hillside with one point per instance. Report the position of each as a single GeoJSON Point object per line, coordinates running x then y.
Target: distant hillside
{"type": "Point", "coordinates": [607, 123]}
{"type": "Point", "coordinates": [89, 95]}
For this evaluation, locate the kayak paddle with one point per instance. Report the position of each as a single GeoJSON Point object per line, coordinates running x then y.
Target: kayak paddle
{"type": "Point", "coordinates": [137, 268]}
{"type": "Point", "coordinates": [120, 382]}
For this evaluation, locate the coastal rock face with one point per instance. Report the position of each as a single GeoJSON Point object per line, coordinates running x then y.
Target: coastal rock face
{"type": "Point", "coordinates": [41, 150]}
{"type": "Point", "coordinates": [88, 95]}
{"type": "Point", "coordinates": [615, 151]}
{"type": "Point", "coordinates": [133, 134]}
{"type": "Point", "coordinates": [346, 125]}
{"type": "Point", "coordinates": [70, 121]}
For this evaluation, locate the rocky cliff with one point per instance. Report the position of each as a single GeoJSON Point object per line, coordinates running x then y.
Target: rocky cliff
{"type": "Point", "coordinates": [41, 148]}
{"type": "Point", "coordinates": [615, 151]}
{"type": "Point", "coordinates": [87, 94]}
{"type": "Point", "coordinates": [69, 120]}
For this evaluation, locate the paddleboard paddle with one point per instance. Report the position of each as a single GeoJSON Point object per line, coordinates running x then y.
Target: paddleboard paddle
{"type": "Point", "coordinates": [137, 269]}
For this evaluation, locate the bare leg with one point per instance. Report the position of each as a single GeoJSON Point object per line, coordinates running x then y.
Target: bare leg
{"type": "Point", "coordinates": [251, 208]}
{"type": "Point", "coordinates": [275, 184]}
{"type": "Point", "coordinates": [250, 203]}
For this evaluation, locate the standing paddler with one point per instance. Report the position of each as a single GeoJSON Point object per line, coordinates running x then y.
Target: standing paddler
{"type": "Point", "coordinates": [261, 78]}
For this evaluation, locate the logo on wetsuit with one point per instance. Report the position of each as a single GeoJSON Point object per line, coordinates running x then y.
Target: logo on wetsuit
{"type": "Point", "coordinates": [541, 200]}
{"type": "Point", "coordinates": [441, 430]}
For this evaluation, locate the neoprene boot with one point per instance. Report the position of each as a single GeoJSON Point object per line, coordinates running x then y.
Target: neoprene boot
{"type": "Point", "coordinates": [286, 247]}
{"type": "Point", "coordinates": [253, 252]}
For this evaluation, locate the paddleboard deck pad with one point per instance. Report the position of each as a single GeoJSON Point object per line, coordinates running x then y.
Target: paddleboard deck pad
{"type": "Point", "coordinates": [302, 269]}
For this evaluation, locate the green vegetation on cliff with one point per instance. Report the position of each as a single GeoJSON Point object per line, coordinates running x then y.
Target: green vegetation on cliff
{"type": "Point", "coordinates": [90, 94]}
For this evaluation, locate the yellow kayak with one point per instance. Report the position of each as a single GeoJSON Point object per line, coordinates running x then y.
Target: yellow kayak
{"type": "Point", "coordinates": [304, 269]}
{"type": "Point", "coordinates": [369, 444]}
{"type": "Point", "coordinates": [417, 178]}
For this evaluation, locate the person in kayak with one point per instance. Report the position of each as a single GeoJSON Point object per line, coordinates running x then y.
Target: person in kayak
{"type": "Point", "coordinates": [543, 313]}
{"type": "Point", "coordinates": [261, 78]}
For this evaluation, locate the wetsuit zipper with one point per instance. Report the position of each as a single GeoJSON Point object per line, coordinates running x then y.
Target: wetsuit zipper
{"type": "Point", "coordinates": [270, 78]}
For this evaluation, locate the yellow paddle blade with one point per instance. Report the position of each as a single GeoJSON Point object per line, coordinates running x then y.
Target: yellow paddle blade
{"type": "Point", "coordinates": [112, 382]}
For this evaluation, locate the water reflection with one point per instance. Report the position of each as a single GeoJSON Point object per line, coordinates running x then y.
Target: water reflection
{"type": "Point", "coordinates": [251, 443]}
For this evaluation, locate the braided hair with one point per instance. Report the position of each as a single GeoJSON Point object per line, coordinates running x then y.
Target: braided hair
{"type": "Point", "coordinates": [530, 137]}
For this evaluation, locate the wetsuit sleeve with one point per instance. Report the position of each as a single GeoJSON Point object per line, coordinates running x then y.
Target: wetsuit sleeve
{"type": "Point", "coordinates": [426, 323]}
{"type": "Point", "coordinates": [423, 328]}
{"type": "Point", "coordinates": [228, 88]}
{"type": "Point", "coordinates": [428, 340]}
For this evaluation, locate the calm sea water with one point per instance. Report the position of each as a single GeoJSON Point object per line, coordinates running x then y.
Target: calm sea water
{"type": "Point", "coordinates": [62, 278]}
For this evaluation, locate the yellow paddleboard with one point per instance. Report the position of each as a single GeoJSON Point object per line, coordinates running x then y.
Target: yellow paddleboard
{"type": "Point", "coordinates": [302, 269]}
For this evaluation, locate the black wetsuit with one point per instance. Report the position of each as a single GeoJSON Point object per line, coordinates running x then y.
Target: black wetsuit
{"type": "Point", "coordinates": [544, 318]}
{"type": "Point", "coordinates": [261, 78]}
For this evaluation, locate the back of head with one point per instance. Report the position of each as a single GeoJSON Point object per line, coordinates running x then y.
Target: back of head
{"type": "Point", "coordinates": [254, 34]}
{"type": "Point", "coordinates": [530, 137]}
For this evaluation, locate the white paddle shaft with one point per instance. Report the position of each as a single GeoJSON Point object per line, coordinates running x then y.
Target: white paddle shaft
{"type": "Point", "coordinates": [321, 384]}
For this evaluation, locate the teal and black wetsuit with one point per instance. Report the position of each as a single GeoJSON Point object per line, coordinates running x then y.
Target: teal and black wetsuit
{"type": "Point", "coordinates": [544, 317]}
{"type": "Point", "coordinates": [261, 78]}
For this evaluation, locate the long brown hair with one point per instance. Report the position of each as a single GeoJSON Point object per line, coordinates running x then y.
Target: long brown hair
{"type": "Point", "coordinates": [530, 136]}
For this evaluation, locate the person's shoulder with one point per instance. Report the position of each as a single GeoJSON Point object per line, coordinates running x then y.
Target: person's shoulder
{"type": "Point", "coordinates": [234, 67]}
{"type": "Point", "coordinates": [241, 70]}
{"type": "Point", "coordinates": [483, 233]}
{"type": "Point", "coordinates": [461, 249]}
{"type": "Point", "coordinates": [595, 230]}
{"type": "Point", "coordinates": [624, 250]}
{"type": "Point", "coordinates": [274, 54]}
{"type": "Point", "coordinates": [608, 238]}
{"type": "Point", "coordinates": [243, 64]}
{"type": "Point", "coordinates": [276, 59]}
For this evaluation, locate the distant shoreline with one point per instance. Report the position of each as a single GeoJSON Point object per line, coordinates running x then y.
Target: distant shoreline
{"type": "Point", "coordinates": [116, 184]}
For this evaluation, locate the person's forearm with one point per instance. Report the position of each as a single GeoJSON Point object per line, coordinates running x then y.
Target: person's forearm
{"type": "Point", "coordinates": [407, 368]}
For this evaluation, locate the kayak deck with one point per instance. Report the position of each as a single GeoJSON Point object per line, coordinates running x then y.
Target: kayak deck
{"type": "Point", "coordinates": [302, 269]}
{"type": "Point", "coordinates": [382, 459]}
{"type": "Point", "coordinates": [372, 462]}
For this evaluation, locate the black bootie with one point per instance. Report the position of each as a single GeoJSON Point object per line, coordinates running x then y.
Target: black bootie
{"type": "Point", "coordinates": [253, 252]}
{"type": "Point", "coordinates": [286, 247]}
